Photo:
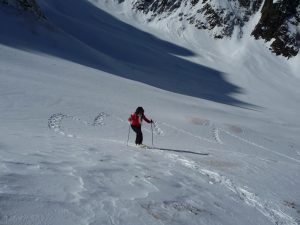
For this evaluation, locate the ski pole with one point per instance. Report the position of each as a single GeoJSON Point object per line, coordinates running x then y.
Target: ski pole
{"type": "Point", "coordinates": [152, 133]}
{"type": "Point", "coordinates": [128, 135]}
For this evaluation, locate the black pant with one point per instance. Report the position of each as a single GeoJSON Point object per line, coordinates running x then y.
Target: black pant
{"type": "Point", "coordinates": [139, 134]}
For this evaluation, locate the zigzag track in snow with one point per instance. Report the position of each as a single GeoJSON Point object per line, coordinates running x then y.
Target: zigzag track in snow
{"type": "Point", "coordinates": [268, 209]}
{"type": "Point", "coordinates": [55, 122]}
{"type": "Point", "coordinates": [99, 120]}
{"type": "Point", "coordinates": [216, 135]}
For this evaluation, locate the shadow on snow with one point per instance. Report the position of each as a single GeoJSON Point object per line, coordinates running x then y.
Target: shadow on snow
{"type": "Point", "coordinates": [83, 33]}
{"type": "Point", "coordinates": [177, 150]}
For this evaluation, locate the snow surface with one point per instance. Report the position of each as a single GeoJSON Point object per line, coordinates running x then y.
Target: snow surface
{"type": "Point", "coordinates": [68, 86]}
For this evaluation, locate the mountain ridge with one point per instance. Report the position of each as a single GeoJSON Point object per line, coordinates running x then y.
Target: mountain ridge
{"type": "Point", "coordinates": [278, 24]}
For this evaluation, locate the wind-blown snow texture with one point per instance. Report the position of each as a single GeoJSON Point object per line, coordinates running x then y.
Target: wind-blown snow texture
{"type": "Point", "coordinates": [227, 124]}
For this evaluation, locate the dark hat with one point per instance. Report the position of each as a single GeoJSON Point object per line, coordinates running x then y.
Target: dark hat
{"type": "Point", "coordinates": [139, 110]}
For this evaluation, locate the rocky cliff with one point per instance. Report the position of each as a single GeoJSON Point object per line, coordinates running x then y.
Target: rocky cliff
{"type": "Point", "coordinates": [279, 22]}
{"type": "Point", "coordinates": [280, 25]}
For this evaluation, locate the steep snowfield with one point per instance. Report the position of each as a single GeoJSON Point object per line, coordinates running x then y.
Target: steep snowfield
{"type": "Point", "coordinates": [67, 87]}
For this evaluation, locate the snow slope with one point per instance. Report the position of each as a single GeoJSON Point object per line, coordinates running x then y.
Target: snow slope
{"type": "Point", "coordinates": [69, 84]}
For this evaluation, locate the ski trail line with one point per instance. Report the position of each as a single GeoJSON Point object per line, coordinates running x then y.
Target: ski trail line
{"type": "Point", "coordinates": [268, 209]}
{"type": "Point", "coordinates": [260, 146]}
{"type": "Point", "coordinates": [55, 122]}
{"type": "Point", "coordinates": [189, 133]}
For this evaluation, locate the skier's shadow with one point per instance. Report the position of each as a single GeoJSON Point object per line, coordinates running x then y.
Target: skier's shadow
{"type": "Point", "coordinates": [178, 150]}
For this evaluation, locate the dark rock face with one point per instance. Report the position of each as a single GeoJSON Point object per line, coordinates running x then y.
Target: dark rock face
{"type": "Point", "coordinates": [220, 17]}
{"type": "Point", "coordinates": [156, 7]}
{"type": "Point", "coordinates": [279, 22]}
{"type": "Point", "coordinates": [25, 5]}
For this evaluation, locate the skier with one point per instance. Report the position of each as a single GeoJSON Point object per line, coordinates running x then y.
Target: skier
{"type": "Point", "coordinates": [136, 120]}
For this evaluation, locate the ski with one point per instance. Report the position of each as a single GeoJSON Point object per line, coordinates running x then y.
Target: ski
{"type": "Point", "coordinates": [138, 146]}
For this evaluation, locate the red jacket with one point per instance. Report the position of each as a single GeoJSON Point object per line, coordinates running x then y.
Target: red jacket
{"type": "Point", "coordinates": [136, 120]}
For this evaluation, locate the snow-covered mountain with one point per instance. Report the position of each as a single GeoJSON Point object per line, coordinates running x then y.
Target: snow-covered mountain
{"type": "Point", "coordinates": [219, 17]}
{"type": "Point", "coordinates": [279, 21]}
{"type": "Point", "coordinates": [226, 138]}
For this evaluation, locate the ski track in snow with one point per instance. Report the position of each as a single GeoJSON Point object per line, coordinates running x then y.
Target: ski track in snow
{"type": "Point", "coordinates": [189, 133]}
{"type": "Point", "coordinates": [216, 135]}
{"type": "Point", "coordinates": [55, 123]}
{"type": "Point", "coordinates": [81, 187]}
{"type": "Point", "coordinates": [56, 120]}
{"type": "Point", "coordinates": [99, 120]}
{"type": "Point", "coordinates": [268, 209]}
{"type": "Point", "coordinates": [157, 130]}
{"type": "Point", "coordinates": [259, 146]}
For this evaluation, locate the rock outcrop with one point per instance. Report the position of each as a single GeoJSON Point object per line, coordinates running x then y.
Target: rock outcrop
{"type": "Point", "coordinates": [280, 25]}
{"type": "Point", "coordinates": [25, 5]}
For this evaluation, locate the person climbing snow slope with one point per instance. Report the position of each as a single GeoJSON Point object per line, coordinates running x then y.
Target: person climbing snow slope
{"type": "Point", "coordinates": [136, 120]}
